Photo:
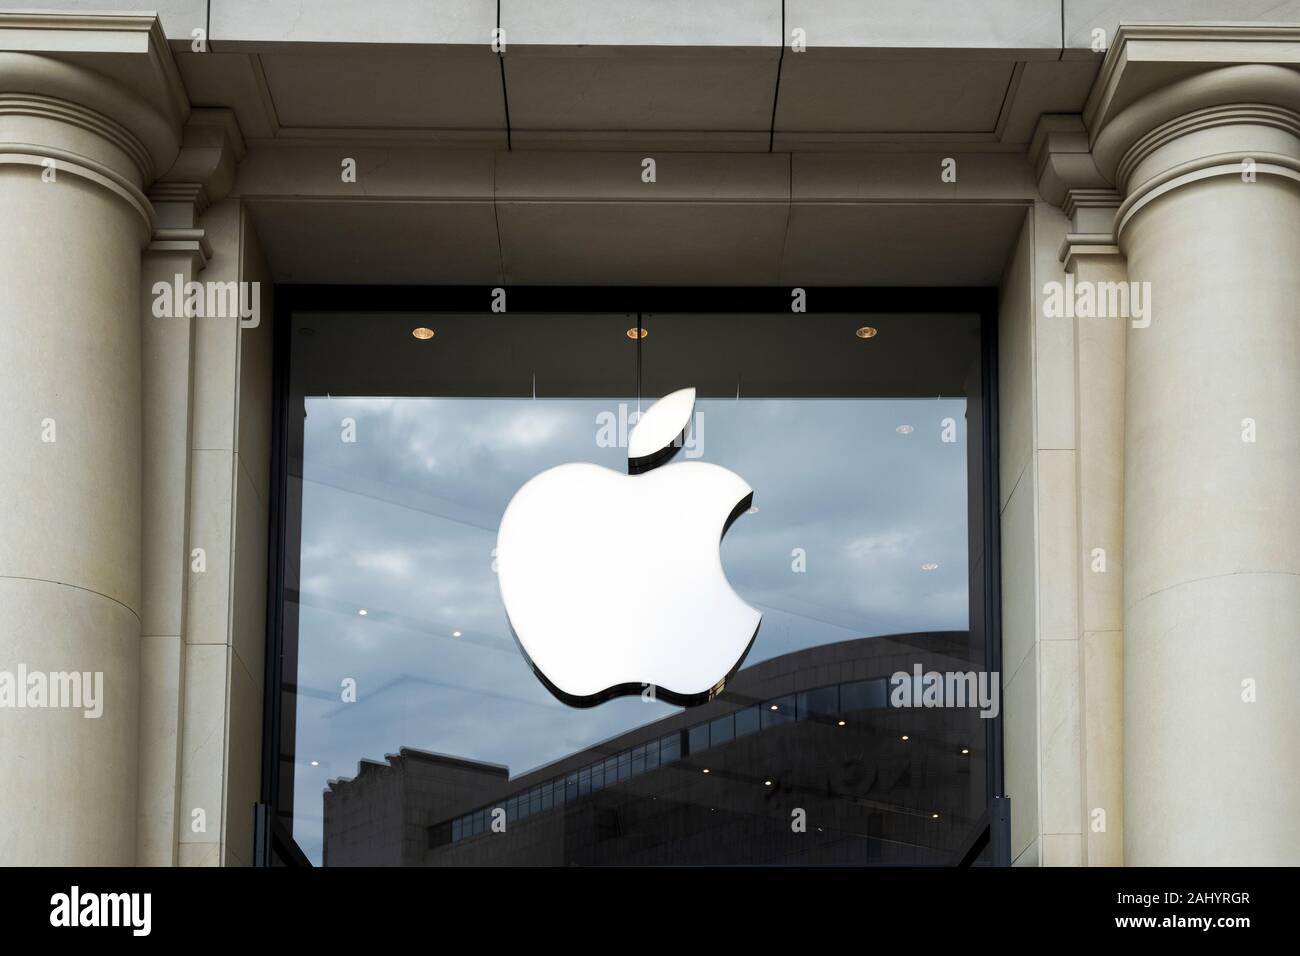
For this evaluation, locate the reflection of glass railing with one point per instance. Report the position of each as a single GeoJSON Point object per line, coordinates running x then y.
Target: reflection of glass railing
{"type": "Point", "coordinates": [820, 703]}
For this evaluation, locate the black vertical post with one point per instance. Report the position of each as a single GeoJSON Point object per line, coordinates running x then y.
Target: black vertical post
{"type": "Point", "coordinates": [999, 806]}
{"type": "Point", "coordinates": [273, 673]}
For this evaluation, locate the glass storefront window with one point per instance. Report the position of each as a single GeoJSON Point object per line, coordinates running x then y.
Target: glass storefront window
{"type": "Point", "coordinates": [407, 700]}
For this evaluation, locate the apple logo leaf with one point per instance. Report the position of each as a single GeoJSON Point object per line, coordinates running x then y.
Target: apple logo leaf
{"type": "Point", "coordinates": [660, 431]}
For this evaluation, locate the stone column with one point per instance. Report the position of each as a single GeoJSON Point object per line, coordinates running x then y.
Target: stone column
{"type": "Point", "coordinates": [1210, 171]}
{"type": "Point", "coordinates": [76, 149]}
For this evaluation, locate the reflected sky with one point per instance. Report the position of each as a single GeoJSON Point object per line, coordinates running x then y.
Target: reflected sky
{"type": "Point", "coordinates": [402, 523]}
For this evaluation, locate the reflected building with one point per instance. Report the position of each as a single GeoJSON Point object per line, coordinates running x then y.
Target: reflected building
{"type": "Point", "coordinates": [802, 760]}
{"type": "Point", "coordinates": [381, 816]}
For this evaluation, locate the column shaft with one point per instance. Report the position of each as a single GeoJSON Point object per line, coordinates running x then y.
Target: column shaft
{"type": "Point", "coordinates": [1212, 531]}
{"type": "Point", "coordinates": [70, 526]}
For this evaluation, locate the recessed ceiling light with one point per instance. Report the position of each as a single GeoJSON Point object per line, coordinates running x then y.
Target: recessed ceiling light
{"type": "Point", "coordinates": [455, 633]}
{"type": "Point", "coordinates": [422, 333]}
{"type": "Point", "coordinates": [841, 723]}
{"type": "Point", "coordinates": [905, 737]}
{"type": "Point", "coordinates": [929, 566]}
{"type": "Point", "coordinates": [706, 769]}
{"type": "Point", "coordinates": [866, 332]}
{"type": "Point", "coordinates": [904, 429]}
{"type": "Point", "coordinates": [767, 783]}
{"type": "Point", "coordinates": [934, 816]}
{"type": "Point", "coordinates": [636, 332]}
{"type": "Point", "coordinates": [363, 612]}
{"type": "Point", "coordinates": [964, 750]}
{"type": "Point", "coordinates": [315, 763]}
{"type": "Point", "coordinates": [774, 706]}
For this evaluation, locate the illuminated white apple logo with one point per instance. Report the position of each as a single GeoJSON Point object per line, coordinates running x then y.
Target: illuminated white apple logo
{"type": "Point", "coordinates": [614, 582]}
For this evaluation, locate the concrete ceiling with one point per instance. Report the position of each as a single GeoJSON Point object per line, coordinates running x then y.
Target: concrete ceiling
{"type": "Point", "coordinates": [553, 128]}
{"type": "Point", "coordinates": [708, 244]}
{"type": "Point", "coordinates": [686, 74]}
{"type": "Point", "coordinates": [580, 86]}
{"type": "Point", "coordinates": [633, 98]}
{"type": "Point", "coordinates": [528, 217]}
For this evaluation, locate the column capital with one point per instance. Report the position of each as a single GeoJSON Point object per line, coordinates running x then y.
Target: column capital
{"type": "Point", "coordinates": [96, 96]}
{"type": "Point", "coordinates": [1177, 104]}
{"type": "Point", "coordinates": [1154, 73]}
{"type": "Point", "coordinates": [117, 65]}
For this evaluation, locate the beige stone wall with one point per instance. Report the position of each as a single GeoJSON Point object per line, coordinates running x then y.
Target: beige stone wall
{"type": "Point", "coordinates": [1040, 637]}
{"type": "Point", "coordinates": [1062, 433]}
{"type": "Point", "coordinates": [220, 765]}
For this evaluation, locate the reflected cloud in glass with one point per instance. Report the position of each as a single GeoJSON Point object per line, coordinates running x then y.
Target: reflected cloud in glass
{"type": "Point", "coordinates": [402, 522]}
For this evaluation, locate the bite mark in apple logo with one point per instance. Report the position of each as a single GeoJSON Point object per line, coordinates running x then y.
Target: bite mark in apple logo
{"type": "Point", "coordinates": [614, 582]}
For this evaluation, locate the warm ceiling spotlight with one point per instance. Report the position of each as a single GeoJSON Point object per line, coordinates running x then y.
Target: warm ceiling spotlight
{"type": "Point", "coordinates": [767, 783]}
{"type": "Point", "coordinates": [363, 612]}
{"type": "Point", "coordinates": [422, 333]}
{"type": "Point", "coordinates": [929, 566]}
{"type": "Point", "coordinates": [964, 751]}
{"type": "Point", "coordinates": [934, 816]}
{"type": "Point", "coordinates": [841, 723]}
{"type": "Point", "coordinates": [866, 332]}
{"type": "Point", "coordinates": [905, 737]}
{"type": "Point", "coordinates": [636, 332]}
{"type": "Point", "coordinates": [706, 769]}
{"type": "Point", "coordinates": [904, 429]}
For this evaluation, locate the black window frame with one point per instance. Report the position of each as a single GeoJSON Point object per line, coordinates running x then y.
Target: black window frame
{"type": "Point", "coordinates": [273, 841]}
